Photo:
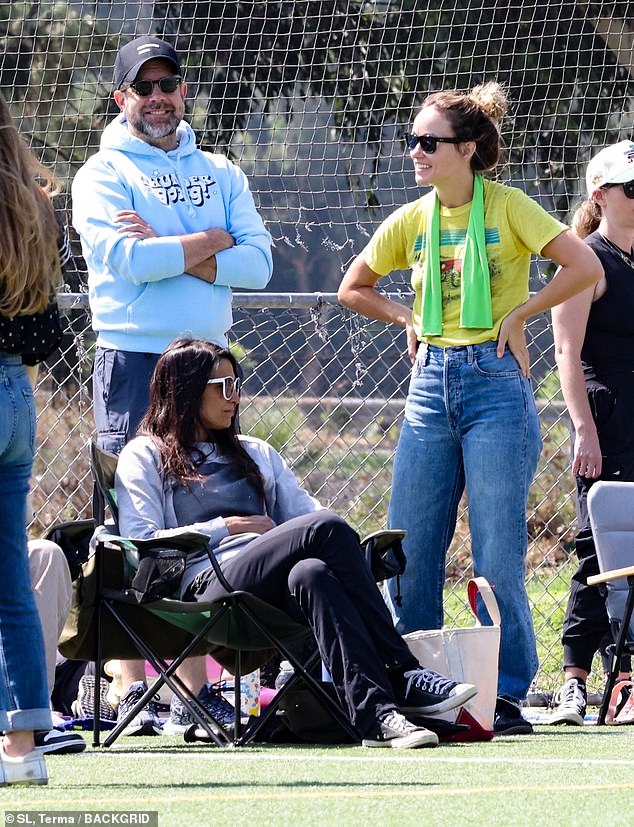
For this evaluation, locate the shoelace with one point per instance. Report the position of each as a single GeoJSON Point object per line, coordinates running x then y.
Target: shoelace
{"type": "Point", "coordinates": [135, 695]}
{"type": "Point", "coordinates": [217, 705]}
{"type": "Point", "coordinates": [571, 694]}
{"type": "Point", "coordinates": [398, 723]}
{"type": "Point", "coordinates": [429, 681]}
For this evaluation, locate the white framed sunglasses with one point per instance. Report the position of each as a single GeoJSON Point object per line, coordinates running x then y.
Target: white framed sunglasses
{"type": "Point", "coordinates": [230, 385]}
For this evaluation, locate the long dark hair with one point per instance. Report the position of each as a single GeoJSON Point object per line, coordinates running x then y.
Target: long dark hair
{"type": "Point", "coordinates": [173, 418]}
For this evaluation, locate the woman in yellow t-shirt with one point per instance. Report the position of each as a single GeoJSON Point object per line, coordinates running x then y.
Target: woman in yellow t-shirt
{"type": "Point", "coordinates": [470, 417]}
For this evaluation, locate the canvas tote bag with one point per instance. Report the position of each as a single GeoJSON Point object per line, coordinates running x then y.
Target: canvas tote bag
{"type": "Point", "coordinates": [467, 655]}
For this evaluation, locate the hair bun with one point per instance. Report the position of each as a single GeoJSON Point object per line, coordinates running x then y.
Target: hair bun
{"type": "Point", "coordinates": [491, 97]}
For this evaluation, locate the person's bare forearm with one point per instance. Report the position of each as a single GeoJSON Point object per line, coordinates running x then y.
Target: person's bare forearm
{"type": "Point", "coordinates": [205, 271]}
{"type": "Point", "coordinates": [199, 248]}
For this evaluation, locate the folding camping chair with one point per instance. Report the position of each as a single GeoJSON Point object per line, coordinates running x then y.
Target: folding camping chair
{"type": "Point", "coordinates": [239, 630]}
{"type": "Point", "coordinates": [611, 509]}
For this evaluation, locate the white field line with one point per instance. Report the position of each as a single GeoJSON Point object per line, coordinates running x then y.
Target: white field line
{"type": "Point", "coordinates": [421, 756]}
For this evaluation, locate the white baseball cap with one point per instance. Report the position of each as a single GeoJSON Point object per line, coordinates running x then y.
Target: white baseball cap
{"type": "Point", "coordinates": [613, 165]}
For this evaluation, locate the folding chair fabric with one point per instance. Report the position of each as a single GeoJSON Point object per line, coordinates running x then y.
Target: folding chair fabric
{"type": "Point", "coordinates": [611, 510]}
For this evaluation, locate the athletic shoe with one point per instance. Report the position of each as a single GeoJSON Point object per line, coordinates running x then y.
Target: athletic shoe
{"type": "Point", "coordinates": [145, 722]}
{"type": "Point", "coordinates": [211, 698]}
{"type": "Point", "coordinates": [571, 702]}
{"type": "Point", "coordinates": [27, 769]}
{"type": "Point", "coordinates": [56, 742]}
{"type": "Point", "coordinates": [84, 706]}
{"type": "Point", "coordinates": [427, 691]}
{"type": "Point", "coordinates": [396, 732]}
{"type": "Point", "coordinates": [508, 718]}
{"type": "Point", "coordinates": [624, 713]}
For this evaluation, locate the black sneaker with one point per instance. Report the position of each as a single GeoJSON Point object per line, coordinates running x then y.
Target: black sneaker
{"type": "Point", "coordinates": [396, 732]}
{"type": "Point", "coordinates": [571, 702]}
{"type": "Point", "coordinates": [58, 742]}
{"type": "Point", "coordinates": [145, 722]}
{"type": "Point", "coordinates": [508, 718]}
{"type": "Point", "coordinates": [427, 691]}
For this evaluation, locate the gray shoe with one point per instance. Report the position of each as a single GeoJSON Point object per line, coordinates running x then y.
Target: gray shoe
{"type": "Point", "coordinates": [145, 722]}
{"type": "Point", "coordinates": [571, 702]}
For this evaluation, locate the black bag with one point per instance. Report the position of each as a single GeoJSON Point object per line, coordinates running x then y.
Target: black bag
{"type": "Point", "coordinates": [386, 556]}
{"type": "Point", "coordinates": [74, 540]}
{"type": "Point", "coordinates": [160, 573]}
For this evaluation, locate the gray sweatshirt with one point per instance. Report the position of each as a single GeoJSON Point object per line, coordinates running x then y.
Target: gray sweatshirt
{"type": "Point", "coordinates": [145, 498]}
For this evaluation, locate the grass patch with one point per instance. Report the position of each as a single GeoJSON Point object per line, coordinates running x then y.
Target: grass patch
{"type": "Point", "coordinates": [558, 776]}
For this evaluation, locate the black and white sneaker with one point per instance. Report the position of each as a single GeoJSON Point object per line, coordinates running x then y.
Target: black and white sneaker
{"type": "Point", "coordinates": [394, 731]}
{"type": "Point", "coordinates": [571, 702]}
{"type": "Point", "coordinates": [427, 691]}
{"type": "Point", "coordinates": [84, 705]}
{"type": "Point", "coordinates": [145, 722]}
{"type": "Point", "coordinates": [508, 718]}
{"type": "Point", "coordinates": [58, 742]}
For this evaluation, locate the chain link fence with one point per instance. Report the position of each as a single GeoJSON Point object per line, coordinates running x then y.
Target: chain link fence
{"type": "Point", "coordinates": [327, 389]}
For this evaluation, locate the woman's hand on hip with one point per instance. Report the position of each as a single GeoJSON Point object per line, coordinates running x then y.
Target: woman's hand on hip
{"type": "Point", "coordinates": [256, 524]}
{"type": "Point", "coordinates": [412, 343]}
{"type": "Point", "coordinates": [512, 334]}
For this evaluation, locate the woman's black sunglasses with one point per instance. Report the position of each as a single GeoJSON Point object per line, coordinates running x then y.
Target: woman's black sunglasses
{"type": "Point", "coordinates": [628, 188]}
{"type": "Point", "coordinates": [428, 143]}
{"type": "Point", "coordinates": [144, 88]}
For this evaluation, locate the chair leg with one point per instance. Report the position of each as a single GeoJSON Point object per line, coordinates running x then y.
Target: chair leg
{"type": "Point", "coordinates": [166, 676]}
{"type": "Point", "coordinates": [333, 707]}
{"type": "Point", "coordinates": [237, 698]}
{"type": "Point", "coordinates": [617, 651]}
{"type": "Point", "coordinates": [96, 712]}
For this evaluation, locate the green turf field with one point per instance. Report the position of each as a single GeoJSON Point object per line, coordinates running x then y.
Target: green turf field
{"type": "Point", "coordinates": [558, 776]}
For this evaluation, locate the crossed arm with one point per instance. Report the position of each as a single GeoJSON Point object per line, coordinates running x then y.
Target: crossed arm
{"type": "Point", "coordinates": [199, 248]}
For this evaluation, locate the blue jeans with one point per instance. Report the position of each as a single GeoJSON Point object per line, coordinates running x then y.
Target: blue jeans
{"type": "Point", "coordinates": [24, 702]}
{"type": "Point", "coordinates": [470, 421]}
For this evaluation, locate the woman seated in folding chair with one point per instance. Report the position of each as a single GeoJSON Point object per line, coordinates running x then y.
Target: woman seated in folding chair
{"type": "Point", "coordinates": [190, 468]}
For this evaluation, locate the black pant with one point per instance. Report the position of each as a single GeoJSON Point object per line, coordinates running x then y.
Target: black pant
{"type": "Point", "coordinates": [313, 568]}
{"type": "Point", "coordinates": [586, 627]}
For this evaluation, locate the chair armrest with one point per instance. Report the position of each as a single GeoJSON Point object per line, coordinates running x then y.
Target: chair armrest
{"type": "Point", "coordinates": [384, 538]}
{"type": "Point", "coordinates": [613, 574]}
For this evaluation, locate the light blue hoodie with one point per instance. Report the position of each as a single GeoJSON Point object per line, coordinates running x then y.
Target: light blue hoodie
{"type": "Point", "coordinates": [140, 297]}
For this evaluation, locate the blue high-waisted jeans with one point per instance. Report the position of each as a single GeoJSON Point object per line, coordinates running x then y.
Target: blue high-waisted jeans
{"type": "Point", "coordinates": [24, 702]}
{"type": "Point", "coordinates": [470, 421]}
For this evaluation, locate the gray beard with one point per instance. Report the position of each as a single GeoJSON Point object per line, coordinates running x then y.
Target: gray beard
{"type": "Point", "coordinates": [144, 128]}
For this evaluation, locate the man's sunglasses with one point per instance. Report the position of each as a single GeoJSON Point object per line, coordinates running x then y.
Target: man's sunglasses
{"type": "Point", "coordinates": [428, 143]}
{"type": "Point", "coordinates": [229, 386]}
{"type": "Point", "coordinates": [144, 88]}
{"type": "Point", "coordinates": [628, 188]}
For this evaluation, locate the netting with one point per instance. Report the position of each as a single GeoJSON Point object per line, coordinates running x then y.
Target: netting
{"type": "Point", "coordinates": [311, 98]}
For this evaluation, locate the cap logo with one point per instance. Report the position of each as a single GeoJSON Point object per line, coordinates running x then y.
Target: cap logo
{"type": "Point", "coordinates": [147, 47]}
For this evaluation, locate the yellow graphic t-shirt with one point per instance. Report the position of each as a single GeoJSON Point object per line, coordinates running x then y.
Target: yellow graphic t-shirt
{"type": "Point", "coordinates": [515, 228]}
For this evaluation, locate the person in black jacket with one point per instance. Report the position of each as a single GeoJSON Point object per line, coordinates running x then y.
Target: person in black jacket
{"type": "Point", "coordinates": [29, 331]}
{"type": "Point", "coordinates": [594, 345]}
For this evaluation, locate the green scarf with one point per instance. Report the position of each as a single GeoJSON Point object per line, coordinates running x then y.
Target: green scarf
{"type": "Point", "coordinates": [475, 292]}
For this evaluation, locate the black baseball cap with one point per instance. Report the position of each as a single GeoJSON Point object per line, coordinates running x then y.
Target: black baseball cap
{"type": "Point", "coordinates": [137, 52]}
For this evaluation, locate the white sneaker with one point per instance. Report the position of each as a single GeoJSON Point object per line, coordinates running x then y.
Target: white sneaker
{"type": "Point", "coordinates": [396, 732]}
{"type": "Point", "coordinates": [571, 701]}
{"type": "Point", "coordinates": [27, 769]}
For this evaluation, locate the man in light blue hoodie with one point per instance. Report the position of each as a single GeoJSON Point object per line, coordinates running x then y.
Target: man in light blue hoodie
{"type": "Point", "coordinates": [166, 230]}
